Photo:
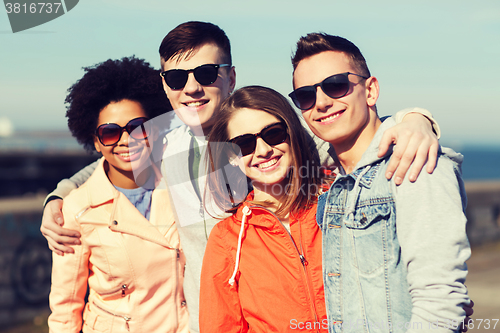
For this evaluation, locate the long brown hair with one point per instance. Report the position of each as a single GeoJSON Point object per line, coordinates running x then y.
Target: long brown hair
{"type": "Point", "coordinates": [302, 178]}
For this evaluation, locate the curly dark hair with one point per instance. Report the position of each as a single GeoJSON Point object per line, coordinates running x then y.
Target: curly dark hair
{"type": "Point", "coordinates": [112, 81]}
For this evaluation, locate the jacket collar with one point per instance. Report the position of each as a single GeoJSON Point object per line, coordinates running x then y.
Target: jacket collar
{"type": "Point", "coordinates": [369, 157]}
{"type": "Point", "coordinates": [101, 189]}
{"type": "Point", "coordinates": [366, 177]}
{"type": "Point", "coordinates": [260, 215]}
{"type": "Point", "coordinates": [124, 217]}
{"type": "Point", "coordinates": [127, 219]}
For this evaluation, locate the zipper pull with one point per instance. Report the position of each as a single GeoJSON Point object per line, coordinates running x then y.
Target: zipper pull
{"type": "Point", "coordinates": [124, 287]}
{"type": "Point", "coordinates": [201, 212]}
{"type": "Point", "coordinates": [303, 260]}
{"type": "Point", "coordinates": [178, 254]}
{"type": "Point", "coordinates": [126, 323]}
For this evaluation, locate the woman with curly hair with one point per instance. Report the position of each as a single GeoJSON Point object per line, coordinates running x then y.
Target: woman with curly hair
{"type": "Point", "coordinates": [130, 257]}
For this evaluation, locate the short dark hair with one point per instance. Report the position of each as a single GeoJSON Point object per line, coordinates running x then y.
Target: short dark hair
{"type": "Point", "coordinates": [112, 81]}
{"type": "Point", "coordinates": [315, 43]}
{"type": "Point", "coordinates": [302, 186]}
{"type": "Point", "coordinates": [188, 36]}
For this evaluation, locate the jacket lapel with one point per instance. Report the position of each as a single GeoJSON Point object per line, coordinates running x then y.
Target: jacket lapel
{"type": "Point", "coordinates": [127, 219]}
{"type": "Point", "coordinates": [124, 217]}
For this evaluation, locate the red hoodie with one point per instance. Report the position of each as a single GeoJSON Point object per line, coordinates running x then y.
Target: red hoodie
{"type": "Point", "coordinates": [278, 285]}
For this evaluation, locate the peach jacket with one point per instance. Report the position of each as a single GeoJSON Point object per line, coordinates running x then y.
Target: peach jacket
{"type": "Point", "coordinates": [134, 267]}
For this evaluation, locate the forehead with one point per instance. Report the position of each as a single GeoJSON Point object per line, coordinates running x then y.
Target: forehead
{"type": "Point", "coordinates": [318, 67]}
{"type": "Point", "coordinates": [121, 112]}
{"type": "Point", "coordinates": [249, 121]}
{"type": "Point", "coordinates": [205, 54]}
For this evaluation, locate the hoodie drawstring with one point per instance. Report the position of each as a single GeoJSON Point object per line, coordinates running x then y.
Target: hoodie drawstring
{"type": "Point", "coordinates": [352, 205]}
{"type": "Point", "coordinates": [246, 211]}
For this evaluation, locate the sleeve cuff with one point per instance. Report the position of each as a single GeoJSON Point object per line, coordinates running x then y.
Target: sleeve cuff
{"type": "Point", "coordinates": [435, 126]}
{"type": "Point", "coordinates": [49, 198]}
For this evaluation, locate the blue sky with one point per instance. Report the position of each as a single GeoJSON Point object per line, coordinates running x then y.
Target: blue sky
{"type": "Point", "coordinates": [440, 55]}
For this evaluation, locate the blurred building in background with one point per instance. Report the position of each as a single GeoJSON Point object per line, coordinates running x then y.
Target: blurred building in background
{"type": "Point", "coordinates": [34, 162]}
{"type": "Point", "coordinates": [31, 164]}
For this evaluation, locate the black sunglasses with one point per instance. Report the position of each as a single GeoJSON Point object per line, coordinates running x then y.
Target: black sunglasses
{"type": "Point", "coordinates": [334, 86]}
{"type": "Point", "coordinates": [273, 134]}
{"type": "Point", "coordinates": [204, 74]}
{"type": "Point", "coordinates": [110, 133]}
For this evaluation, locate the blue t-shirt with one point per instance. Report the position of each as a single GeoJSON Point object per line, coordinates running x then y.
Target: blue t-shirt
{"type": "Point", "coordinates": [139, 197]}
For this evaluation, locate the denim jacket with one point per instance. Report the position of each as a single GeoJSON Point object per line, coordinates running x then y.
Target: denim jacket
{"type": "Point", "coordinates": [388, 272]}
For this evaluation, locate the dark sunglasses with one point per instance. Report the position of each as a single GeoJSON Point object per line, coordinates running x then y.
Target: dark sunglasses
{"type": "Point", "coordinates": [204, 74]}
{"type": "Point", "coordinates": [334, 86]}
{"type": "Point", "coordinates": [273, 134]}
{"type": "Point", "coordinates": [110, 133]}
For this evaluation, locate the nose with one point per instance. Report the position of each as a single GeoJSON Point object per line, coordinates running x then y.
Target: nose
{"type": "Point", "coordinates": [262, 149]}
{"type": "Point", "coordinates": [124, 139]}
{"type": "Point", "coordinates": [192, 86]}
{"type": "Point", "coordinates": [323, 101]}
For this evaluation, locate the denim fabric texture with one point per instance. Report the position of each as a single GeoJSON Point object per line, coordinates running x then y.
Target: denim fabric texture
{"type": "Point", "coordinates": [364, 276]}
{"type": "Point", "coordinates": [388, 272]}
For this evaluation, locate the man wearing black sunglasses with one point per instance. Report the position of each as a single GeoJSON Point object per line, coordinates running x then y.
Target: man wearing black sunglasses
{"type": "Point", "coordinates": [197, 73]}
{"type": "Point", "coordinates": [393, 256]}
{"type": "Point", "coordinates": [197, 76]}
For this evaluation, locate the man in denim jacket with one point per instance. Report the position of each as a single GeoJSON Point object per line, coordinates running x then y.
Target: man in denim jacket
{"type": "Point", "coordinates": [393, 256]}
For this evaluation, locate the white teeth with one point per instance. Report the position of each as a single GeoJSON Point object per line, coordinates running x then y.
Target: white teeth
{"type": "Point", "coordinates": [195, 104]}
{"type": "Point", "coordinates": [268, 163]}
{"type": "Point", "coordinates": [126, 154]}
{"type": "Point", "coordinates": [333, 116]}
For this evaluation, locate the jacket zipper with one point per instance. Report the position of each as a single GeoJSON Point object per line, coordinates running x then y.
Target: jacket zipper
{"type": "Point", "coordinates": [303, 261]}
{"type": "Point", "coordinates": [123, 289]}
{"type": "Point", "coordinates": [313, 303]}
{"type": "Point", "coordinates": [126, 318]}
{"type": "Point", "coordinates": [177, 262]}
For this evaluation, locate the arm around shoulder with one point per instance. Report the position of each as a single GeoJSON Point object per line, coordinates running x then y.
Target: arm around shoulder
{"type": "Point", "coordinates": [65, 186]}
{"type": "Point", "coordinates": [399, 116]}
{"type": "Point", "coordinates": [60, 238]}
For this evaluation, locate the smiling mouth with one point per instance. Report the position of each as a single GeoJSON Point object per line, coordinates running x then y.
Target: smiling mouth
{"type": "Point", "coordinates": [195, 104]}
{"type": "Point", "coordinates": [268, 164]}
{"type": "Point", "coordinates": [128, 154]}
{"type": "Point", "coordinates": [330, 117]}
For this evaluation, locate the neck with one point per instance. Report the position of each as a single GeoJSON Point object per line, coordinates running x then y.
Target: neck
{"type": "Point", "coordinates": [350, 150]}
{"type": "Point", "coordinates": [264, 193]}
{"type": "Point", "coordinates": [200, 131]}
{"type": "Point", "coordinates": [126, 179]}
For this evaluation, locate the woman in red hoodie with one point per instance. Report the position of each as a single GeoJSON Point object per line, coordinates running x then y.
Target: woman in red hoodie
{"type": "Point", "coordinates": [262, 266]}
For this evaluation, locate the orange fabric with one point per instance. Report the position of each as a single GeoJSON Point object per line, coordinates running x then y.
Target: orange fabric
{"type": "Point", "coordinates": [134, 267]}
{"type": "Point", "coordinates": [273, 291]}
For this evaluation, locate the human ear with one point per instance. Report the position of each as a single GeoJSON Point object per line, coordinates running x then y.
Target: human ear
{"type": "Point", "coordinates": [372, 91]}
{"type": "Point", "coordinates": [96, 144]}
{"type": "Point", "coordinates": [156, 132]}
{"type": "Point", "coordinates": [233, 159]}
{"type": "Point", "coordinates": [165, 87]}
{"type": "Point", "coordinates": [232, 80]}
{"type": "Point", "coordinates": [233, 162]}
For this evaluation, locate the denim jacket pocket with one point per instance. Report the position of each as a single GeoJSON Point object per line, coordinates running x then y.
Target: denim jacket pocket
{"type": "Point", "coordinates": [370, 234]}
